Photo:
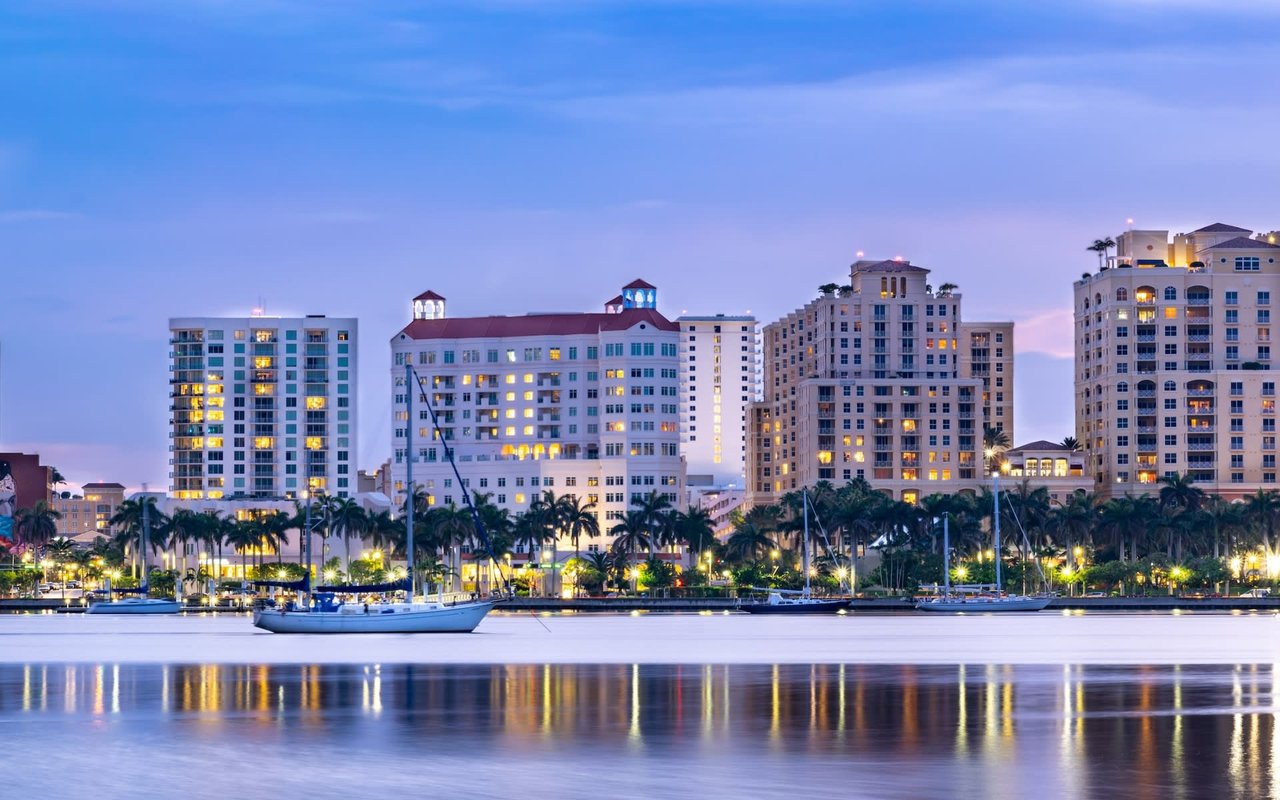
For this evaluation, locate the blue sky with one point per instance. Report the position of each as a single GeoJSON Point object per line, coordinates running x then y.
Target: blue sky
{"type": "Point", "coordinates": [188, 157]}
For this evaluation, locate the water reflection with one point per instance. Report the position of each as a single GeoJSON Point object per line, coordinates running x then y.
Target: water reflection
{"type": "Point", "coordinates": [991, 731]}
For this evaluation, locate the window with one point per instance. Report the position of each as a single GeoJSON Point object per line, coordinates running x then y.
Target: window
{"type": "Point", "coordinates": [1247, 264]}
{"type": "Point", "coordinates": [1122, 295]}
{"type": "Point", "coordinates": [1170, 293]}
{"type": "Point", "coordinates": [1232, 298]}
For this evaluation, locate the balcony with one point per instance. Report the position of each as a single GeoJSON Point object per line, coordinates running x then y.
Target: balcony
{"type": "Point", "coordinates": [1197, 300]}
{"type": "Point", "coordinates": [1201, 446]}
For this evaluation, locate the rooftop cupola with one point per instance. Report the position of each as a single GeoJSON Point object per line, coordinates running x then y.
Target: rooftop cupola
{"type": "Point", "coordinates": [428, 305]}
{"type": "Point", "coordinates": [639, 294]}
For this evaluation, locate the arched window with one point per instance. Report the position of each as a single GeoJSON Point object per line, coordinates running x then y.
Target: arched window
{"type": "Point", "coordinates": [1170, 386]}
{"type": "Point", "coordinates": [1097, 299]}
{"type": "Point", "coordinates": [1122, 295]}
{"type": "Point", "coordinates": [1170, 293]}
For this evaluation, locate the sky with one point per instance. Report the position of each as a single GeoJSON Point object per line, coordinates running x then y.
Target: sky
{"type": "Point", "coordinates": [167, 158]}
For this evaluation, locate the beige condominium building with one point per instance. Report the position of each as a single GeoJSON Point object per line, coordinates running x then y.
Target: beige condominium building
{"type": "Point", "coordinates": [87, 515]}
{"type": "Point", "coordinates": [880, 379]}
{"type": "Point", "coordinates": [1173, 361]}
{"type": "Point", "coordinates": [585, 404]}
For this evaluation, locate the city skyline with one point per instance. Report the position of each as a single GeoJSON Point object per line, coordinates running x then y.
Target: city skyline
{"type": "Point", "coordinates": [272, 164]}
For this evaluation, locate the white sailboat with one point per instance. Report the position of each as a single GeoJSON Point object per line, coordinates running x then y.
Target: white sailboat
{"type": "Point", "coordinates": [325, 613]}
{"type": "Point", "coordinates": [138, 603]}
{"type": "Point", "coordinates": [978, 597]}
{"type": "Point", "coordinates": [797, 601]}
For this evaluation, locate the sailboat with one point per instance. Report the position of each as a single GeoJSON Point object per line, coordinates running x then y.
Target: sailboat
{"type": "Point", "coordinates": [797, 601]}
{"type": "Point", "coordinates": [324, 612]}
{"type": "Point", "coordinates": [137, 601]}
{"type": "Point", "coordinates": [978, 597]}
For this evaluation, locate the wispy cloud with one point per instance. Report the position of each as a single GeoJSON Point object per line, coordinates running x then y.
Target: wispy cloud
{"type": "Point", "coordinates": [1048, 332]}
{"type": "Point", "coordinates": [18, 215]}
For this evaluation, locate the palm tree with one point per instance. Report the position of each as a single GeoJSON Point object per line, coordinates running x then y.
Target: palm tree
{"type": "Point", "coordinates": [1263, 509]}
{"type": "Point", "coordinates": [946, 289]}
{"type": "Point", "coordinates": [655, 510]}
{"type": "Point", "coordinates": [1177, 491]}
{"type": "Point", "coordinates": [1071, 443]}
{"type": "Point", "coordinates": [694, 528]}
{"type": "Point", "coordinates": [579, 518]}
{"type": "Point", "coordinates": [631, 534]}
{"type": "Point", "coordinates": [347, 519]}
{"type": "Point", "coordinates": [37, 525]}
{"type": "Point", "coordinates": [243, 536]}
{"type": "Point", "coordinates": [1101, 246]}
{"type": "Point", "coordinates": [994, 442]}
{"type": "Point", "coordinates": [748, 542]}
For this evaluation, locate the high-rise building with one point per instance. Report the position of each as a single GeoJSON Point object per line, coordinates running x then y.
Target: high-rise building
{"type": "Point", "coordinates": [719, 372]}
{"type": "Point", "coordinates": [1173, 361]}
{"type": "Point", "coordinates": [262, 406]}
{"type": "Point", "coordinates": [585, 404]}
{"type": "Point", "coordinates": [880, 379]}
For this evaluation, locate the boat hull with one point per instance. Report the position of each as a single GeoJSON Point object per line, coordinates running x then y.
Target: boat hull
{"type": "Point", "coordinates": [460, 618]}
{"type": "Point", "coordinates": [985, 606]}
{"type": "Point", "coordinates": [815, 607]}
{"type": "Point", "coordinates": [135, 606]}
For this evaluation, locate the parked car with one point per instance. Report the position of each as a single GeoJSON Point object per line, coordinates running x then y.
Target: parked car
{"type": "Point", "coordinates": [1256, 593]}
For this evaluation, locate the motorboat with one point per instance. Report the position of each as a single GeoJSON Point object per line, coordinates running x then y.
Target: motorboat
{"type": "Point", "coordinates": [135, 605]}
{"type": "Point", "coordinates": [136, 600]}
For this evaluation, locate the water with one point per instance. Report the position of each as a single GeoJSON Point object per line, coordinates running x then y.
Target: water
{"type": "Point", "coordinates": [617, 730]}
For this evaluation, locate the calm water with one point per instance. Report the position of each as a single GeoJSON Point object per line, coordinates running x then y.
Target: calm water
{"type": "Point", "coordinates": [584, 731]}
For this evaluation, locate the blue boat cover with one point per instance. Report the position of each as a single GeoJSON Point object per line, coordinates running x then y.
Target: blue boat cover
{"type": "Point", "coordinates": [393, 586]}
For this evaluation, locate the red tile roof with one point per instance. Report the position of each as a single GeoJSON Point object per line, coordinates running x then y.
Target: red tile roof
{"type": "Point", "coordinates": [639, 284]}
{"type": "Point", "coordinates": [428, 295]}
{"type": "Point", "coordinates": [535, 325]}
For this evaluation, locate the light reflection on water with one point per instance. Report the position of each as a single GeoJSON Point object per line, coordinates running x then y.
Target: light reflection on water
{"type": "Point", "coordinates": [626, 730]}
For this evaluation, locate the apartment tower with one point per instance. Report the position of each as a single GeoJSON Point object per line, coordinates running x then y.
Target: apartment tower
{"type": "Point", "coordinates": [1173, 361]}
{"type": "Point", "coordinates": [880, 379]}
{"type": "Point", "coordinates": [262, 407]}
{"type": "Point", "coordinates": [719, 370]}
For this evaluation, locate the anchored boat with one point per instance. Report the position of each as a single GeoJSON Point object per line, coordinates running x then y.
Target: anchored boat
{"type": "Point", "coordinates": [323, 612]}
{"type": "Point", "coordinates": [797, 601]}
{"type": "Point", "coordinates": [139, 604]}
{"type": "Point", "coordinates": [978, 597]}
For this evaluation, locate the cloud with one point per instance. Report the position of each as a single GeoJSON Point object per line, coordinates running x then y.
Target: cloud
{"type": "Point", "coordinates": [1049, 332]}
{"type": "Point", "coordinates": [19, 215]}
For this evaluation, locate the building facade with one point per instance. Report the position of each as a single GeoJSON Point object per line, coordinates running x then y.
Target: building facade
{"type": "Point", "coordinates": [585, 404]}
{"type": "Point", "coordinates": [262, 406]}
{"type": "Point", "coordinates": [1059, 469]}
{"type": "Point", "coordinates": [1173, 361]}
{"type": "Point", "coordinates": [880, 379]}
{"type": "Point", "coordinates": [87, 515]}
{"type": "Point", "coordinates": [719, 373]}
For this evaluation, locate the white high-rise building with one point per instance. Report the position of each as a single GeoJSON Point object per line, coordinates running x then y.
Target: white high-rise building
{"type": "Point", "coordinates": [262, 406]}
{"type": "Point", "coordinates": [585, 404]}
{"type": "Point", "coordinates": [719, 371]}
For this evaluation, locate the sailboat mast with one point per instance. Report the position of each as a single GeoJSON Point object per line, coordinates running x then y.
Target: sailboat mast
{"type": "Point", "coordinates": [411, 388]}
{"type": "Point", "coordinates": [995, 525]}
{"type": "Point", "coordinates": [146, 540]}
{"type": "Point", "coordinates": [805, 507]}
{"type": "Point", "coordinates": [946, 552]}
